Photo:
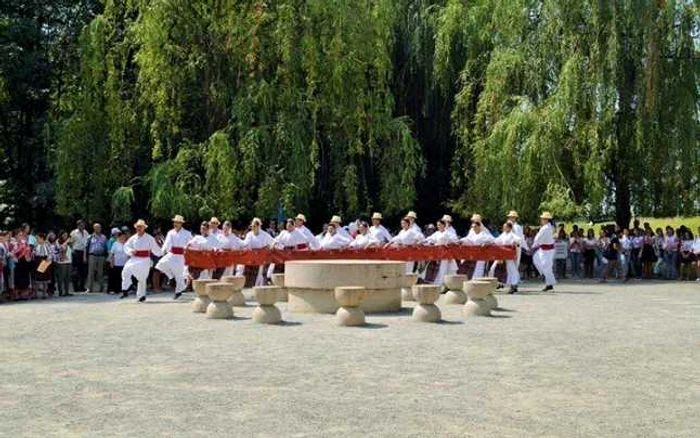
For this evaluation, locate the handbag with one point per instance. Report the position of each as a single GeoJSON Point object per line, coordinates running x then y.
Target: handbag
{"type": "Point", "coordinates": [43, 266]}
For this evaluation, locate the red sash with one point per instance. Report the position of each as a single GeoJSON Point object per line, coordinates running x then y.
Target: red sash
{"type": "Point", "coordinates": [547, 247]}
{"type": "Point", "coordinates": [177, 250]}
{"type": "Point", "coordinates": [302, 246]}
{"type": "Point", "coordinates": [141, 253]}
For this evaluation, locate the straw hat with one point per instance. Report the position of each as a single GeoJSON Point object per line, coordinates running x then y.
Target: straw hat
{"type": "Point", "coordinates": [546, 215]}
{"type": "Point", "coordinates": [140, 223]}
{"type": "Point", "coordinates": [513, 213]}
{"type": "Point", "coordinates": [412, 214]}
{"type": "Point", "coordinates": [335, 219]}
{"type": "Point", "coordinates": [446, 218]}
{"type": "Point", "coordinates": [256, 221]}
{"type": "Point", "coordinates": [179, 218]}
{"type": "Point", "coordinates": [301, 217]}
{"type": "Point", "coordinates": [214, 220]}
{"type": "Point", "coordinates": [377, 216]}
{"type": "Point", "coordinates": [476, 218]}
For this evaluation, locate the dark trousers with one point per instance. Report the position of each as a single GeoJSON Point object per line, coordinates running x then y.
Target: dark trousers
{"type": "Point", "coordinates": [79, 271]}
{"type": "Point", "coordinates": [114, 279]}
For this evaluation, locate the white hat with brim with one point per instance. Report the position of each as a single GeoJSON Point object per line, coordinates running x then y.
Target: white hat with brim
{"type": "Point", "coordinates": [178, 218]}
{"type": "Point", "coordinates": [214, 220]}
{"type": "Point", "coordinates": [335, 219]}
{"type": "Point", "coordinates": [446, 218]}
{"type": "Point", "coordinates": [256, 221]}
{"type": "Point", "coordinates": [301, 217]}
{"type": "Point", "coordinates": [377, 216]}
{"type": "Point", "coordinates": [412, 215]}
{"type": "Point", "coordinates": [140, 223]}
{"type": "Point", "coordinates": [476, 218]}
{"type": "Point", "coordinates": [546, 215]}
{"type": "Point", "coordinates": [513, 213]}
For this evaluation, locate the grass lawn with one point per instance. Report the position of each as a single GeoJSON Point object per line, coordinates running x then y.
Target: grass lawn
{"type": "Point", "coordinates": [692, 222]}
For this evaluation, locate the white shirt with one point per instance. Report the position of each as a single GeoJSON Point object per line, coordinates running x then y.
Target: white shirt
{"type": "Point", "coordinates": [334, 241]}
{"type": "Point", "coordinates": [696, 245]}
{"type": "Point", "coordinates": [79, 239]}
{"type": "Point", "coordinates": [408, 237]}
{"type": "Point", "coordinates": [291, 239]}
{"type": "Point", "coordinates": [508, 239]}
{"type": "Point", "coordinates": [441, 238]}
{"type": "Point", "coordinates": [483, 237]}
{"type": "Point", "coordinates": [119, 257]}
{"type": "Point", "coordinates": [343, 232]}
{"type": "Point", "coordinates": [363, 241]}
{"type": "Point", "coordinates": [176, 239]}
{"type": "Point", "coordinates": [518, 231]}
{"type": "Point", "coordinates": [146, 242]}
{"type": "Point", "coordinates": [414, 226]}
{"type": "Point", "coordinates": [229, 241]}
{"type": "Point", "coordinates": [258, 241]}
{"type": "Point", "coordinates": [380, 233]}
{"type": "Point", "coordinates": [545, 236]}
{"type": "Point", "coordinates": [201, 243]}
{"type": "Point", "coordinates": [626, 244]}
{"type": "Point", "coordinates": [313, 240]}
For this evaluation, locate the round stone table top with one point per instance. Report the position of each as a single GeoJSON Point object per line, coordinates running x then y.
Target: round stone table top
{"type": "Point", "coordinates": [329, 274]}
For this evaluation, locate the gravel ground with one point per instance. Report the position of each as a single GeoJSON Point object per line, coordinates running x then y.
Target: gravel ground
{"type": "Point", "coordinates": [587, 360]}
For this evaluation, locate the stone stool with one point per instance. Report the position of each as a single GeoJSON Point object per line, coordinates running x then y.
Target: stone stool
{"type": "Point", "coordinates": [490, 299]}
{"type": "Point", "coordinates": [237, 298]}
{"type": "Point", "coordinates": [426, 310]}
{"type": "Point", "coordinates": [455, 294]}
{"type": "Point", "coordinates": [477, 290]}
{"type": "Point", "coordinates": [267, 312]}
{"type": "Point", "coordinates": [278, 280]}
{"type": "Point", "coordinates": [200, 303]}
{"type": "Point", "coordinates": [407, 282]}
{"type": "Point", "coordinates": [219, 293]}
{"type": "Point", "coordinates": [349, 298]}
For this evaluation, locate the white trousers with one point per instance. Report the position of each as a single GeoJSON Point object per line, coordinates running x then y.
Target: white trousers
{"type": "Point", "coordinates": [511, 269]}
{"type": "Point", "coordinates": [138, 267]}
{"type": "Point", "coordinates": [479, 269]}
{"type": "Point", "coordinates": [443, 270]}
{"type": "Point", "coordinates": [543, 261]}
{"type": "Point", "coordinates": [230, 270]}
{"type": "Point", "coordinates": [173, 266]}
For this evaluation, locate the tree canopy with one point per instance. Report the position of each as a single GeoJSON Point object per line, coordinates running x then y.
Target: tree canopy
{"type": "Point", "coordinates": [244, 107]}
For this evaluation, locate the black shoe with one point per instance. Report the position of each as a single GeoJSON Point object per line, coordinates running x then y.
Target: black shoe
{"type": "Point", "coordinates": [500, 286]}
{"type": "Point", "coordinates": [177, 295]}
{"type": "Point", "coordinates": [142, 299]}
{"type": "Point", "coordinates": [125, 294]}
{"type": "Point", "coordinates": [512, 290]}
{"type": "Point", "coordinates": [548, 288]}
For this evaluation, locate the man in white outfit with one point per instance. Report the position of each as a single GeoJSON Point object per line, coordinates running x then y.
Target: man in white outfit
{"type": "Point", "coordinates": [518, 231]}
{"type": "Point", "coordinates": [172, 264]}
{"type": "Point", "coordinates": [543, 250]}
{"type": "Point", "coordinates": [478, 236]}
{"type": "Point", "coordinates": [412, 216]}
{"type": "Point", "coordinates": [509, 238]}
{"type": "Point", "coordinates": [300, 223]}
{"type": "Point", "coordinates": [228, 241]}
{"type": "Point", "coordinates": [139, 248]}
{"type": "Point", "coordinates": [378, 231]}
{"type": "Point", "coordinates": [339, 230]}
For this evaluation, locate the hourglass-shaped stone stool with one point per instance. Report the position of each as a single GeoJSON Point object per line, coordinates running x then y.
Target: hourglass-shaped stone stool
{"type": "Point", "coordinates": [267, 312]}
{"type": "Point", "coordinates": [349, 298]}
{"type": "Point", "coordinates": [201, 301]}
{"type": "Point", "coordinates": [407, 282]}
{"type": "Point", "coordinates": [278, 280]}
{"type": "Point", "coordinates": [454, 284]}
{"type": "Point", "coordinates": [426, 310]}
{"type": "Point", "coordinates": [237, 282]}
{"type": "Point", "coordinates": [477, 290]}
{"type": "Point", "coordinates": [490, 299]}
{"type": "Point", "coordinates": [219, 293]}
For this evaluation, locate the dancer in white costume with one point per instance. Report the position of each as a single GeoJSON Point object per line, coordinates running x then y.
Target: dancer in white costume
{"type": "Point", "coordinates": [364, 238]}
{"type": "Point", "coordinates": [339, 230]}
{"type": "Point", "coordinates": [478, 236]}
{"type": "Point", "coordinates": [202, 242]}
{"type": "Point", "coordinates": [172, 264]}
{"type": "Point", "coordinates": [257, 238]}
{"type": "Point", "coordinates": [518, 231]}
{"type": "Point", "coordinates": [407, 237]}
{"type": "Point", "coordinates": [441, 237]}
{"type": "Point", "coordinates": [300, 223]}
{"type": "Point", "coordinates": [509, 238]}
{"type": "Point", "coordinates": [543, 250]}
{"type": "Point", "coordinates": [290, 239]}
{"type": "Point", "coordinates": [333, 239]}
{"type": "Point", "coordinates": [139, 248]}
{"type": "Point", "coordinates": [228, 241]}
{"type": "Point", "coordinates": [378, 231]}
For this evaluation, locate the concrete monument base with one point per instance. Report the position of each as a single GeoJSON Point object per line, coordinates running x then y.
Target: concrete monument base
{"type": "Point", "coordinates": [278, 280]}
{"type": "Point", "coordinates": [237, 298]}
{"type": "Point", "coordinates": [311, 284]}
{"type": "Point", "coordinates": [349, 298]}
{"type": "Point", "coordinates": [201, 301]}
{"type": "Point", "coordinates": [455, 294]}
{"type": "Point", "coordinates": [267, 312]}
{"type": "Point", "coordinates": [219, 293]}
{"type": "Point", "coordinates": [477, 290]}
{"type": "Point", "coordinates": [408, 282]}
{"type": "Point", "coordinates": [426, 310]}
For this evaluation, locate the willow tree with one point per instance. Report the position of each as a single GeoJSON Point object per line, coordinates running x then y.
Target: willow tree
{"type": "Point", "coordinates": [572, 104]}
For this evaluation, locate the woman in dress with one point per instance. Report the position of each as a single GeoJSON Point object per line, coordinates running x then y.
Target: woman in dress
{"type": "Point", "coordinates": [256, 238]}
{"type": "Point", "coordinates": [437, 269]}
{"type": "Point", "coordinates": [62, 258]}
{"type": "Point", "coordinates": [42, 266]}
{"type": "Point", "coordinates": [364, 238]}
{"type": "Point", "coordinates": [117, 259]}
{"type": "Point", "coordinates": [589, 248]}
{"type": "Point", "coordinates": [479, 235]}
{"type": "Point", "coordinates": [22, 253]}
{"type": "Point", "coordinates": [648, 256]}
